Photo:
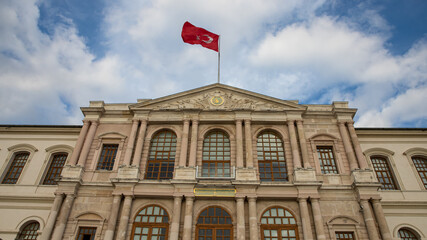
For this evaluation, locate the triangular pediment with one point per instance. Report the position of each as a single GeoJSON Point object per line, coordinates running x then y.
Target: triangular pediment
{"type": "Point", "coordinates": [217, 97]}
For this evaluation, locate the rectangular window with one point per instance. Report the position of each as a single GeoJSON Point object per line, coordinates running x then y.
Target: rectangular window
{"type": "Point", "coordinates": [327, 159]}
{"type": "Point", "coordinates": [344, 235]}
{"type": "Point", "coordinates": [16, 167]}
{"type": "Point", "coordinates": [108, 156]}
{"type": "Point", "coordinates": [86, 233]}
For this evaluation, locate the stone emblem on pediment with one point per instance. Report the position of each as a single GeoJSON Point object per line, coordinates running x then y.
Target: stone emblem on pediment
{"type": "Point", "coordinates": [220, 100]}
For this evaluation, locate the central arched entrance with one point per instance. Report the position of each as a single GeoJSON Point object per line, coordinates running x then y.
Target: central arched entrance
{"type": "Point", "coordinates": [152, 222]}
{"type": "Point", "coordinates": [277, 223]}
{"type": "Point", "coordinates": [214, 223]}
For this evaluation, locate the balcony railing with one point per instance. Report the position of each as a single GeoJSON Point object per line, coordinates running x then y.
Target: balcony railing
{"type": "Point", "coordinates": [207, 172]}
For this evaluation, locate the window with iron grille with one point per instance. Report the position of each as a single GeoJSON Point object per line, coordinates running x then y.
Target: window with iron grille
{"type": "Point", "coordinates": [327, 159]}
{"type": "Point", "coordinates": [271, 157]}
{"type": "Point", "coordinates": [406, 234]}
{"type": "Point", "coordinates": [161, 160]}
{"type": "Point", "coordinates": [86, 233]}
{"type": "Point", "coordinates": [108, 156]}
{"type": "Point", "coordinates": [216, 155]}
{"type": "Point", "coordinates": [344, 235]}
{"type": "Point", "coordinates": [383, 172]}
{"type": "Point", "coordinates": [29, 231]}
{"type": "Point", "coordinates": [16, 167]}
{"type": "Point", "coordinates": [420, 164]}
{"type": "Point", "coordinates": [55, 168]}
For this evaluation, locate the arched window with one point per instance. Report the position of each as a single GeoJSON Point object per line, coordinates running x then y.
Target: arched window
{"type": "Point", "coordinates": [16, 167]}
{"type": "Point", "coordinates": [29, 231]}
{"type": "Point", "coordinates": [216, 155]}
{"type": "Point", "coordinates": [406, 234]}
{"type": "Point", "coordinates": [55, 168]}
{"type": "Point", "coordinates": [278, 223]}
{"type": "Point", "coordinates": [214, 223]}
{"type": "Point", "coordinates": [271, 157]}
{"type": "Point", "coordinates": [161, 161]}
{"type": "Point", "coordinates": [383, 172]}
{"type": "Point", "coordinates": [152, 222]}
{"type": "Point", "coordinates": [420, 164]}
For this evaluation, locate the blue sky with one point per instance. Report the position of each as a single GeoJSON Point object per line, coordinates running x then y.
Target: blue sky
{"type": "Point", "coordinates": [57, 55]}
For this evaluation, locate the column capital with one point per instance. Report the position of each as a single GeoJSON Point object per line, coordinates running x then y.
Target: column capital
{"type": "Point", "coordinates": [135, 120]}
{"type": "Point", "coordinates": [252, 199]}
{"type": "Point", "coordinates": [314, 199]}
{"type": "Point", "coordinates": [302, 199]}
{"type": "Point", "coordinates": [247, 121]}
{"type": "Point", "coordinates": [240, 198]}
{"type": "Point", "coordinates": [177, 197]}
{"type": "Point", "coordinates": [186, 121]}
{"type": "Point", "coordinates": [189, 198]}
{"type": "Point", "coordinates": [341, 123]}
{"type": "Point", "coordinates": [195, 121]}
{"type": "Point", "coordinates": [299, 121]}
{"type": "Point", "coordinates": [86, 121]}
{"type": "Point", "coordinates": [290, 121]}
{"type": "Point", "coordinates": [239, 121]}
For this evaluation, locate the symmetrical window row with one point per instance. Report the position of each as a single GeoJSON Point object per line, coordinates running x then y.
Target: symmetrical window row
{"type": "Point", "coordinates": [19, 160]}
{"type": "Point", "coordinates": [214, 222]}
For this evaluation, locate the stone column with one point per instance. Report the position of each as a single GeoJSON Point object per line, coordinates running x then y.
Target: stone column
{"type": "Point", "coordinates": [188, 218]}
{"type": "Point", "coordinates": [248, 141]}
{"type": "Point", "coordinates": [193, 144]}
{"type": "Point", "coordinates": [124, 219]}
{"type": "Point", "coordinates": [88, 143]}
{"type": "Point", "coordinates": [318, 220]}
{"type": "Point", "coordinates": [184, 144]}
{"type": "Point", "coordinates": [131, 143]}
{"type": "Point", "coordinates": [253, 222]}
{"type": "Point", "coordinates": [176, 217]}
{"type": "Point", "coordinates": [50, 224]}
{"type": "Point", "coordinates": [239, 144]}
{"type": "Point", "coordinates": [79, 143]}
{"type": "Point", "coordinates": [112, 220]}
{"type": "Point", "coordinates": [347, 146]}
{"type": "Point", "coordinates": [139, 143]}
{"type": "Point", "coordinates": [382, 223]}
{"type": "Point", "coordinates": [305, 219]}
{"type": "Point", "coordinates": [63, 217]}
{"type": "Point", "coordinates": [359, 154]}
{"type": "Point", "coordinates": [240, 206]}
{"type": "Point", "coordinates": [369, 219]}
{"type": "Point", "coordinates": [294, 145]}
{"type": "Point", "coordinates": [303, 144]}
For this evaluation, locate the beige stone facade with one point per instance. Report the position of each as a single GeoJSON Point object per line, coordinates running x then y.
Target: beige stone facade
{"type": "Point", "coordinates": [326, 189]}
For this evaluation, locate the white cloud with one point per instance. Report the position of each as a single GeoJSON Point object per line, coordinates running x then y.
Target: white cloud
{"type": "Point", "coordinates": [282, 49]}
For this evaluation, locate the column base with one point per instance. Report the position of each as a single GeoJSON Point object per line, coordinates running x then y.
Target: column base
{"type": "Point", "coordinates": [70, 173]}
{"type": "Point", "coordinates": [185, 173]}
{"type": "Point", "coordinates": [363, 176]}
{"type": "Point", "coordinates": [128, 172]}
{"type": "Point", "coordinates": [246, 174]}
{"type": "Point", "coordinates": [305, 175]}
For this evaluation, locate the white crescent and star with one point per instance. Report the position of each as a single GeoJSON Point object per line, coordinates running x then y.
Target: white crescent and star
{"type": "Point", "coordinates": [210, 39]}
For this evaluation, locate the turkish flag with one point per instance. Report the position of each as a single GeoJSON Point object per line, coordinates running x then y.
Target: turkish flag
{"type": "Point", "coordinates": [195, 35]}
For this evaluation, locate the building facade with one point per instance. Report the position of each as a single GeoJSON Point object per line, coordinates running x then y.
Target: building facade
{"type": "Point", "coordinates": [216, 162]}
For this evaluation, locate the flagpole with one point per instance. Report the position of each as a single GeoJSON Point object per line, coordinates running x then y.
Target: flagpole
{"type": "Point", "coordinates": [219, 50]}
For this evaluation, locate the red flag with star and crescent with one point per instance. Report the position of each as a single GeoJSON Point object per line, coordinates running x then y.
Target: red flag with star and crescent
{"type": "Point", "coordinates": [195, 35]}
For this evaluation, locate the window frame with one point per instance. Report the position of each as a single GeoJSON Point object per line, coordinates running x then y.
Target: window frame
{"type": "Point", "coordinates": [391, 173]}
{"type": "Point", "coordinates": [50, 151]}
{"type": "Point", "coordinates": [214, 226]}
{"type": "Point", "coordinates": [278, 227]}
{"type": "Point", "coordinates": [150, 225]}
{"type": "Point", "coordinates": [108, 138]}
{"type": "Point", "coordinates": [174, 161]}
{"type": "Point", "coordinates": [231, 167]}
{"type": "Point", "coordinates": [86, 227]}
{"type": "Point", "coordinates": [324, 139]}
{"type": "Point", "coordinates": [345, 232]}
{"type": "Point", "coordinates": [13, 150]}
{"type": "Point", "coordinates": [48, 170]}
{"type": "Point", "coordinates": [416, 152]}
{"type": "Point", "coordinates": [410, 230]}
{"type": "Point", "coordinates": [279, 137]}
{"type": "Point", "coordinates": [102, 164]}
{"type": "Point", "coordinates": [424, 159]}
{"type": "Point", "coordinates": [27, 224]}
{"type": "Point", "coordinates": [334, 159]}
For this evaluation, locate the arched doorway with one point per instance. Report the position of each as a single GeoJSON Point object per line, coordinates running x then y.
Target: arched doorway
{"type": "Point", "coordinates": [152, 222]}
{"type": "Point", "coordinates": [277, 223]}
{"type": "Point", "coordinates": [214, 223]}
